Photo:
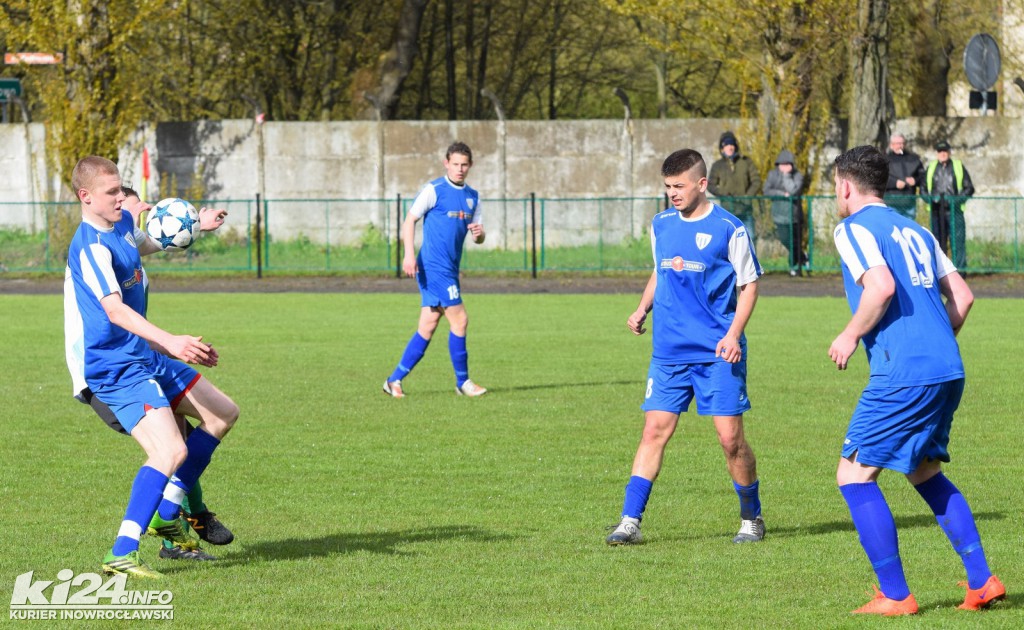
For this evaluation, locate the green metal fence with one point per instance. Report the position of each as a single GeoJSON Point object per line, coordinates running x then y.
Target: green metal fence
{"type": "Point", "coordinates": [523, 234]}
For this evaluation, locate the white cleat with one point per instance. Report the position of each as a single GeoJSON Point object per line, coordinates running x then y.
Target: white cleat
{"type": "Point", "coordinates": [471, 389]}
{"type": "Point", "coordinates": [394, 389]}
{"type": "Point", "coordinates": [627, 533]}
{"type": "Point", "coordinates": [750, 531]}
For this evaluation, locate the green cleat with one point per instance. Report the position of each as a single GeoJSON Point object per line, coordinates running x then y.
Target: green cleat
{"type": "Point", "coordinates": [172, 531]}
{"type": "Point", "coordinates": [129, 564]}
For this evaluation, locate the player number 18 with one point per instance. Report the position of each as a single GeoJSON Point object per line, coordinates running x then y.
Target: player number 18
{"type": "Point", "coordinates": [453, 292]}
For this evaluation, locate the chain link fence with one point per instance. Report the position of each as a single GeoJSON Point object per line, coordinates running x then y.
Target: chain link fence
{"type": "Point", "coordinates": [523, 235]}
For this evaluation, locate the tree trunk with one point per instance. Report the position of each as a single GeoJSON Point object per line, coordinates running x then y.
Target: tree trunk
{"type": "Point", "coordinates": [869, 113]}
{"type": "Point", "coordinates": [931, 62]}
{"type": "Point", "coordinates": [397, 63]}
{"type": "Point", "coordinates": [449, 58]}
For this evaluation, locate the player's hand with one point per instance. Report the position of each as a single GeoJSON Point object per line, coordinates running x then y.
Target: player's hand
{"type": "Point", "coordinates": [211, 360]}
{"type": "Point", "coordinates": [842, 349]}
{"type": "Point", "coordinates": [636, 322]}
{"type": "Point", "coordinates": [189, 349]}
{"type": "Point", "coordinates": [477, 230]}
{"type": "Point", "coordinates": [211, 218]}
{"type": "Point", "coordinates": [409, 266]}
{"type": "Point", "coordinates": [729, 349]}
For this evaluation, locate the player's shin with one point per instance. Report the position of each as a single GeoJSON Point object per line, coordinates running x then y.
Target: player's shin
{"type": "Point", "coordinates": [414, 351]}
{"type": "Point", "coordinates": [142, 504]}
{"type": "Point", "coordinates": [200, 446]}
{"type": "Point", "coordinates": [877, 530]}
{"type": "Point", "coordinates": [460, 358]}
{"type": "Point", "coordinates": [957, 521]}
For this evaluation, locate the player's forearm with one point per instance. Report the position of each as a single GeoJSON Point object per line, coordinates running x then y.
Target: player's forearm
{"type": "Point", "coordinates": [123, 316]}
{"type": "Point", "coordinates": [647, 299]}
{"type": "Point", "coordinates": [745, 302]}
{"type": "Point", "coordinates": [873, 304]}
{"type": "Point", "coordinates": [409, 236]}
{"type": "Point", "coordinates": [959, 299]}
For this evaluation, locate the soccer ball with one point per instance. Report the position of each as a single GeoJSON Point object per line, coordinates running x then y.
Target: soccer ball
{"type": "Point", "coordinates": [174, 223]}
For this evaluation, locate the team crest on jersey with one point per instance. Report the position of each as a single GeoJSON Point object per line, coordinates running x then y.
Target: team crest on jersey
{"type": "Point", "coordinates": [134, 280]}
{"type": "Point", "coordinates": [703, 240]}
{"type": "Point", "coordinates": [131, 239]}
{"type": "Point", "coordinates": [678, 264]}
{"type": "Point", "coordinates": [469, 204]}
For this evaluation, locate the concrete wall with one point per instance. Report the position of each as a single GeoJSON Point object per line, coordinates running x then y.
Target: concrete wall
{"type": "Point", "coordinates": [365, 160]}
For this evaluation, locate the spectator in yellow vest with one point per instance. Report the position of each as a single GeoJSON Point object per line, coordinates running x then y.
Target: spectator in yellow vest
{"type": "Point", "coordinates": [947, 185]}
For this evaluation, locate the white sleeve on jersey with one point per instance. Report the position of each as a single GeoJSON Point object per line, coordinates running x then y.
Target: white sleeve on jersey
{"type": "Point", "coordinates": [104, 267]}
{"type": "Point", "coordinates": [742, 258]}
{"type": "Point", "coordinates": [654, 252]}
{"type": "Point", "coordinates": [851, 238]}
{"type": "Point", "coordinates": [478, 216]}
{"type": "Point", "coordinates": [424, 201]}
{"type": "Point", "coordinates": [74, 337]}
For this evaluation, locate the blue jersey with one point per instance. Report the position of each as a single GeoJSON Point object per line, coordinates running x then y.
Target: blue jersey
{"type": "Point", "coordinates": [913, 344]}
{"type": "Point", "coordinates": [447, 210]}
{"type": "Point", "coordinates": [699, 263]}
{"type": "Point", "coordinates": [102, 262]}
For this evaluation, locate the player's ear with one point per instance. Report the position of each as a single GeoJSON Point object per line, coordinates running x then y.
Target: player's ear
{"type": "Point", "coordinates": [702, 183]}
{"type": "Point", "coordinates": [84, 196]}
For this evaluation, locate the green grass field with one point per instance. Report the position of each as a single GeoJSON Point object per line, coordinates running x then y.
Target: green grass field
{"type": "Point", "coordinates": [352, 509]}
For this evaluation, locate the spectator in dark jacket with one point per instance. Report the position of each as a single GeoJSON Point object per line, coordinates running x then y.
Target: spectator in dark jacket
{"type": "Point", "coordinates": [734, 179]}
{"type": "Point", "coordinates": [947, 185]}
{"type": "Point", "coordinates": [784, 185]}
{"type": "Point", "coordinates": [906, 174]}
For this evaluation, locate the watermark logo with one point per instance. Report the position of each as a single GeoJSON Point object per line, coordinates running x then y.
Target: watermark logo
{"type": "Point", "coordinates": [86, 596]}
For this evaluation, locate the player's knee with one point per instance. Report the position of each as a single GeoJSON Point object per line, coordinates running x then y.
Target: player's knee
{"type": "Point", "coordinates": [171, 456]}
{"type": "Point", "coordinates": [229, 414]}
{"type": "Point", "coordinates": [656, 434]}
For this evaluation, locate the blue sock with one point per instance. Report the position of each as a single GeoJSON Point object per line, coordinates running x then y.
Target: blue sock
{"type": "Point", "coordinates": [142, 502]}
{"type": "Point", "coordinates": [460, 358]}
{"type": "Point", "coordinates": [877, 530]}
{"type": "Point", "coordinates": [200, 449]}
{"type": "Point", "coordinates": [955, 518]}
{"type": "Point", "coordinates": [638, 490]}
{"type": "Point", "coordinates": [750, 501]}
{"type": "Point", "coordinates": [414, 351]}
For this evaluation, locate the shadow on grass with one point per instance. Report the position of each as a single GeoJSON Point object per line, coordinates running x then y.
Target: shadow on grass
{"type": "Point", "coordinates": [526, 388]}
{"type": "Point", "coordinates": [902, 522]}
{"type": "Point", "coordinates": [819, 529]}
{"type": "Point", "coordinates": [386, 542]}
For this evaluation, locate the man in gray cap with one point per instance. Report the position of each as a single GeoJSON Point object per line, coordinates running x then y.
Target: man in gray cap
{"type": "Point", "coordinates": [947, 185]}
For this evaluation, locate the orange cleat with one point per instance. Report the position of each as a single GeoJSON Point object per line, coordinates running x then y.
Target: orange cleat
{"type": "Point", "coordinates": [882, 605]}
{"type": "Point", "coordinates": [977, 598]}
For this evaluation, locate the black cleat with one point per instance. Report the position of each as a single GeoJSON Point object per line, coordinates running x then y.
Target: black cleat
{"type": "Point", "coordinates": [178, 552]}
{"type": "Point", "coordinates": [209, 528]}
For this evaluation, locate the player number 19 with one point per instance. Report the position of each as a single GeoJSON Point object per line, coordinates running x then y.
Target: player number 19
{"type": "Point", "coordinates": [917, 256]}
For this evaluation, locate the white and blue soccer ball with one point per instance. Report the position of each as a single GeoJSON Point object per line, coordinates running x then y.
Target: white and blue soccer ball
{"type": "Point", "coordinates": [174, 223]}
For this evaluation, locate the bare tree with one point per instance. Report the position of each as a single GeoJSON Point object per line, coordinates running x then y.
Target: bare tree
{"type": "Point", "coordinates": [870, 108]}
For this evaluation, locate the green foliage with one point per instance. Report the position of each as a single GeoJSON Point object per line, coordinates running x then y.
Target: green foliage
{"type": "Point", "coordinates": [372, 237]}
{"type": "Point", "coordinates": [441, 512]}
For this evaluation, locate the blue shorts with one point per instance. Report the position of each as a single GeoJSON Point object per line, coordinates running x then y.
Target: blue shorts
{"type": "Point", "coordinates": [438, 289]}
{"type": "Point", "coordinates": [899, 427]}
{"type": "Point", "coordinates": [719, 387]}
{"type": "Point", "coordinates": [171, 380]}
